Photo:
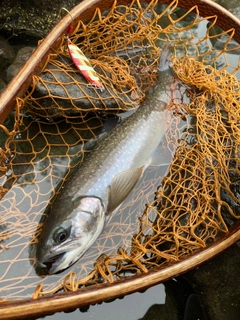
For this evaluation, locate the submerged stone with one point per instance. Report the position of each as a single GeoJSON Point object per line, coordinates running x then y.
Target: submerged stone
{"type": "Point", "coordinates": [6, 52]}
{"type": "Point", "coordinates": [22, 56]}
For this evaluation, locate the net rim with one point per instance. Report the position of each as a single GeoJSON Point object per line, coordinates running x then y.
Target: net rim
{"type": "Point", "coordinates": [102, 292]}
{"type": "Point", "coordinates": [99, 293]}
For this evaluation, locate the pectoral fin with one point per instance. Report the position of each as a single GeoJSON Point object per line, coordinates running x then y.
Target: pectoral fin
{"type": "Point", "coordinates": [122, 184]}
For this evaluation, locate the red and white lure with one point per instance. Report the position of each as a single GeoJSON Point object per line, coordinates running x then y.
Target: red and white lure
{"type": "Point", "coordinates": [82, 62]}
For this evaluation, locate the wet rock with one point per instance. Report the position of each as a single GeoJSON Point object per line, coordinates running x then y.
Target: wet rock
{"type": "Point", "coordinates": [32, 17]}
{"type": "Point", "coordinates": [2, 85]}
{"type": "Point", "coordinates": [22, 56]}
{"type": "Point", "coordinates": [181, 303]}
{"type": "Point", "coordinates": [218, 283]}
{"type": "Point", "coordinates": [62, 93]}
{"type": "Point", "coordinates": [6, 52]}
{"type": "Point", "coordinates": [158, 311]}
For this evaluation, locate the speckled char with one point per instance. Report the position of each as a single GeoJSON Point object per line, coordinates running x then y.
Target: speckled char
{"type": "Point", "coordinates": [107, 175]}
{"type": "Point", "coordinates": [128, 147]}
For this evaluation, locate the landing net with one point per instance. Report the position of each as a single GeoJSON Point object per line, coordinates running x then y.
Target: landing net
{"type": "Point", "coordinates": [61, 116]}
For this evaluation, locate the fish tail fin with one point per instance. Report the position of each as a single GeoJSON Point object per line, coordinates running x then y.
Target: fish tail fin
{"type": "Point", "coordinates": [165, 58]}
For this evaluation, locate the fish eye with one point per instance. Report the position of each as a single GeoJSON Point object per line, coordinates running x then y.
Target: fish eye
{"type": "Point", "coordinates": [60, 234]}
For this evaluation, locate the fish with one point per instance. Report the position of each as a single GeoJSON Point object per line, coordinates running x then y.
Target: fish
{"type": "Point", "coordinates": [99, 185]}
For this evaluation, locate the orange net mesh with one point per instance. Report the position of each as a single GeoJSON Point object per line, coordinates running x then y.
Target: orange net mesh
{"type": "Point", "coordinates": [122, 51]}
{"type": "Point", "coordinates": [196, 201]}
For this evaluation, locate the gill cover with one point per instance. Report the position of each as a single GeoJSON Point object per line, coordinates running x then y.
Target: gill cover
{"type": "Point", "coordinates": [62, 244]}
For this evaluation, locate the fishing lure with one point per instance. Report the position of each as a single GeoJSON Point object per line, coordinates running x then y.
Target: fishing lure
{"type": "Point", "coordinates": [82, 62]}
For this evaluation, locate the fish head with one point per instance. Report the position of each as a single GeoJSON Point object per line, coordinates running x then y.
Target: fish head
{"type": "Point", "coordinates": [62, 244]}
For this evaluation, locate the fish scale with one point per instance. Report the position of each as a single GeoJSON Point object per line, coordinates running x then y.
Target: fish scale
{"type": "Point", "coordinates": [99, 185]}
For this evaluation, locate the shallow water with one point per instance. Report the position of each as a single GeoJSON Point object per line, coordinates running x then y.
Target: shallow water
{"type": "Point", "coordinates": [132, 307]}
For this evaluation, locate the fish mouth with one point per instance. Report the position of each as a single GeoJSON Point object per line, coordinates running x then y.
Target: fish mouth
{"type": "Point", "coordinates": [57, 262]}
{"type": "Point", "coordinates": [51, 261]}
